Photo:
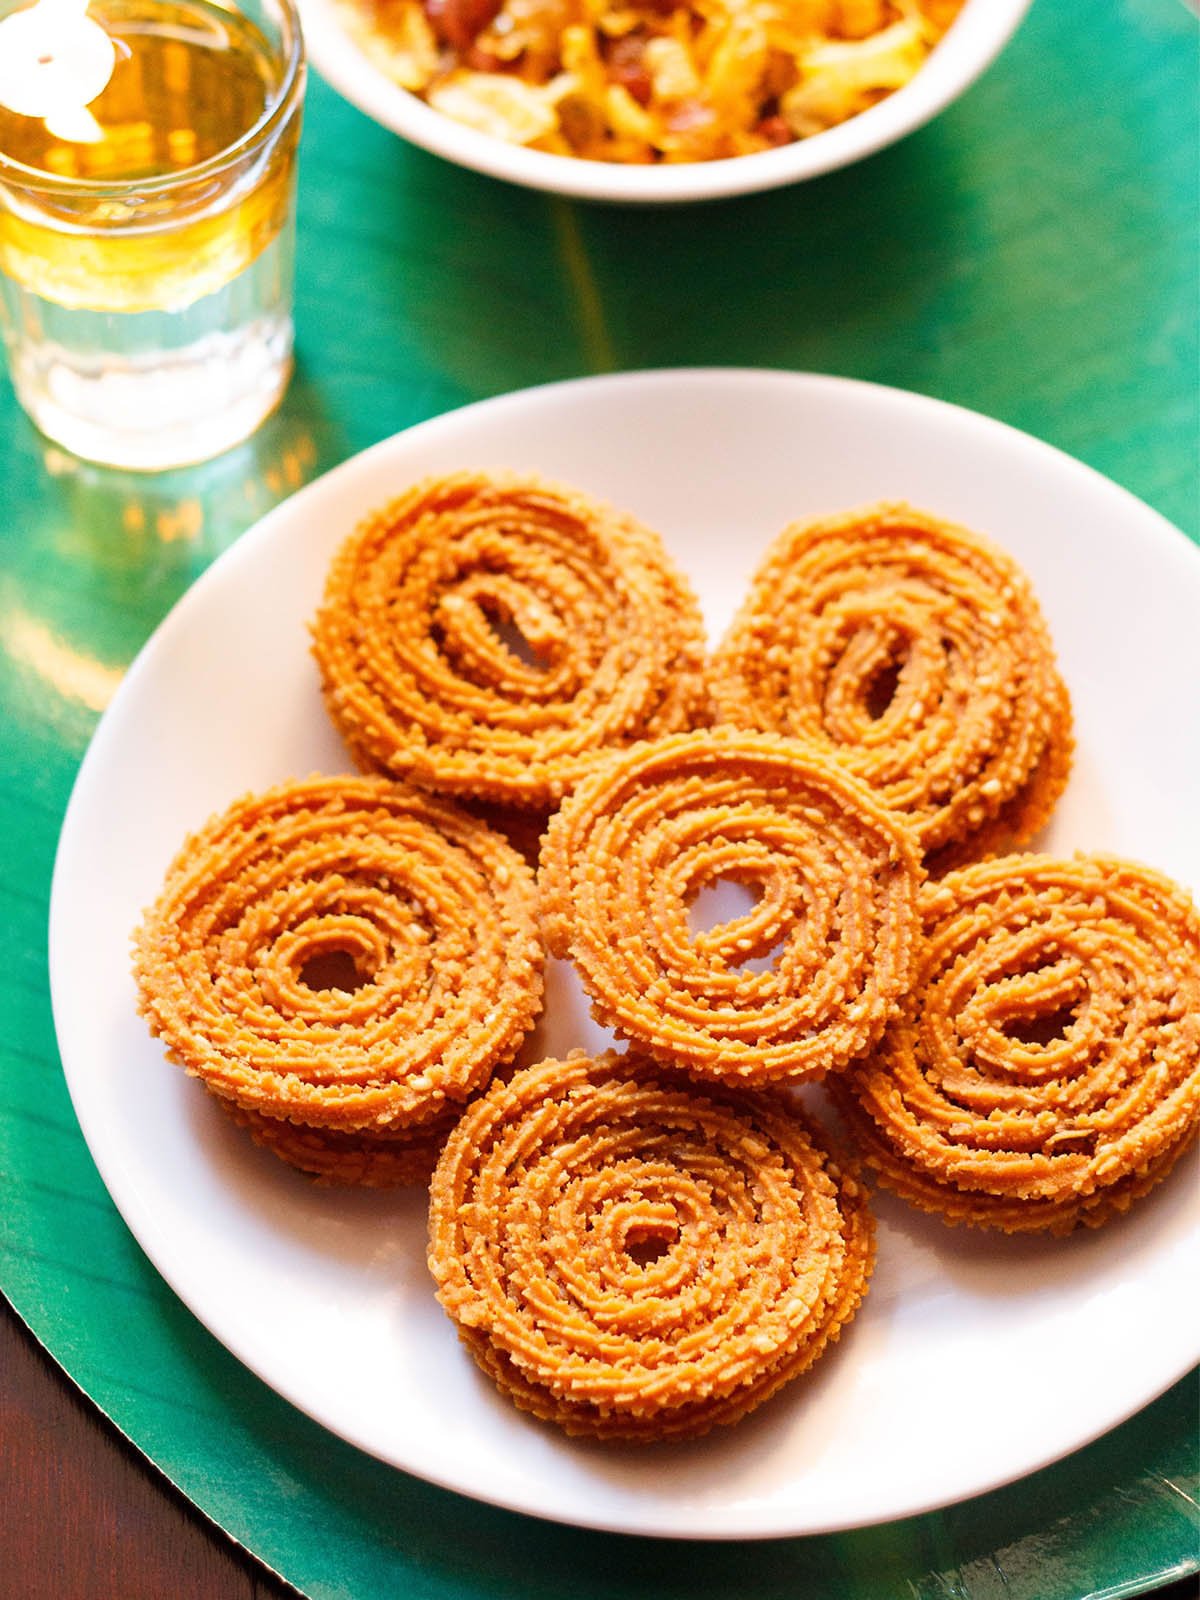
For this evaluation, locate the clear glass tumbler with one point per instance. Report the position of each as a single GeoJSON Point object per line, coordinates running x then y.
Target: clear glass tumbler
{"type": "Point", "coordinates": [146, 239]}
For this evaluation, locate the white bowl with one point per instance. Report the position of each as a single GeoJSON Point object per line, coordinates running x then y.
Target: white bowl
{"type": "Point", "coordinates": [977, 36]}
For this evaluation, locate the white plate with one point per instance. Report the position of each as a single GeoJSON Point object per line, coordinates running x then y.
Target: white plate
{"type": "Point", "coordinates": [975, 1359]}
{"type": "Point", "coordinates": [977, 36]}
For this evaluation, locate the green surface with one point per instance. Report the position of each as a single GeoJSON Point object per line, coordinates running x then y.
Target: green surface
{"type": "Point", "coordinates": [1032, 254]}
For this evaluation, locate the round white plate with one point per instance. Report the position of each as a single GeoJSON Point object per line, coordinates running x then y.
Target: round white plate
{"type": "Point", "coordinates": [974, 1359]}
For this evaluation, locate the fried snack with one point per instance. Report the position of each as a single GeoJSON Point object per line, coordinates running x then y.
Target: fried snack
{"type": "Point", "coordinates": [914, 652]}
{"type": "Point", "coordinates": [837, 875]}
{"type": "Point", "coordinates": [645, 82]}
{"type": "Point", "coordinates": [399, 1158]}
{"type": "Point", "coordinates": [632, 1257]}
{"type": "Point", "coordinates": [431, 914]}
{"type": "Point", "coordinates": [1045, 1071]}
{"type": "Point", "coordinates": [432, 605]}
{"type": "Point", "coordinates": [522, 828]}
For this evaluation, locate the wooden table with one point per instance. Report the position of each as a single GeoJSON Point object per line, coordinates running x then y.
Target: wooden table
{"type": "Point", "coordinates": [1031, 254]}
{"type": "Point", "coordinates": [86, 1514]}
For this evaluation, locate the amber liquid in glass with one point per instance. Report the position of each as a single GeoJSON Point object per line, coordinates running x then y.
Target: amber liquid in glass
{"type": "Point", "coordinates": [146, 242]}
{"type": "Point", "coordinates": [191, 79]}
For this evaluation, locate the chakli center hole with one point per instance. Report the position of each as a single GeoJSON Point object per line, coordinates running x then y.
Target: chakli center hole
{"type": "Point", "coordinates": [645, 1245]}
{"type": "Point", "coordinates": [332, 969]}
{"type": "Point", "coordinates": [881, 690]}
{"type": "Point", "coordinates": [723, 900]}
{"type": "Point", "coordinates": [514, 641]}
{"type": "Point", "coordinates": [1047, 1028]}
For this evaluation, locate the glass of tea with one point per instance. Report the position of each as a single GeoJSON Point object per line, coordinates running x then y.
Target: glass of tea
{"type": "Point", "coordinates": [146, 231]}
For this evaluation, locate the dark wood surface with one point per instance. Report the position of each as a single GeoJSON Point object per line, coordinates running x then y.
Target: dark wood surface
{"type": "Point", "coordinates": [86, 1517]}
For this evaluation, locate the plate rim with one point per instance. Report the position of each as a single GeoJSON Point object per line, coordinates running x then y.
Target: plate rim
{"type": "Point", "coordinates": [1173, 539]}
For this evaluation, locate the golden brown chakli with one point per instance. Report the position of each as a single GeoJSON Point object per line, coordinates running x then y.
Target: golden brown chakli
{"type": "Point", "coordinates": [1046, 1070]}
{"type": "Point", "coordinates": [346, 954]}
{"type": "Point", "coordinates": [633, 1257]}
{"type": "Point", "coordinates": [487, 634]}
{"type": "Point", "coordinates": [837, 876]}
{"type": "Point", "coordinates": [393, 1159]}
{"type": "Point", "coordinates": [915, 652]}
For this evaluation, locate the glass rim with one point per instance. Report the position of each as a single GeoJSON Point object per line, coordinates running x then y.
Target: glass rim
{"type": "Point", "coordinates": [18, 175]}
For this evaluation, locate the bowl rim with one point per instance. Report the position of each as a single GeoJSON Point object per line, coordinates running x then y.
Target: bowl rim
{"type": "Point", "coordinates": [971, 44]}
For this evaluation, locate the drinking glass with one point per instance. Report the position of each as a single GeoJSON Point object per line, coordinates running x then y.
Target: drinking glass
{"type": "Point", "coordinates": [147, 236]}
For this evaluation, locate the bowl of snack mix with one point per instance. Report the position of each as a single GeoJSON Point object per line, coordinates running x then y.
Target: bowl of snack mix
{"type": "Point", "coordinates": [654, 100]}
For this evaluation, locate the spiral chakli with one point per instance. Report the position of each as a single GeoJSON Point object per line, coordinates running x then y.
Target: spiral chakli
{"type": "Point", "coordinates": [1046, 1069]}
{"type": "Point", "coordinates": [915, 652]}
{"type": "Point", "coordinates": [429, 914]}
{"type": "Point", "coordinates": [633, 1257]}
{"type": "Point", "coordinates": [398, 1158]}
{"type": "Point", "coordinates": [799, 984]}
{"type": "Point", "coordinates": [486, 634]}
